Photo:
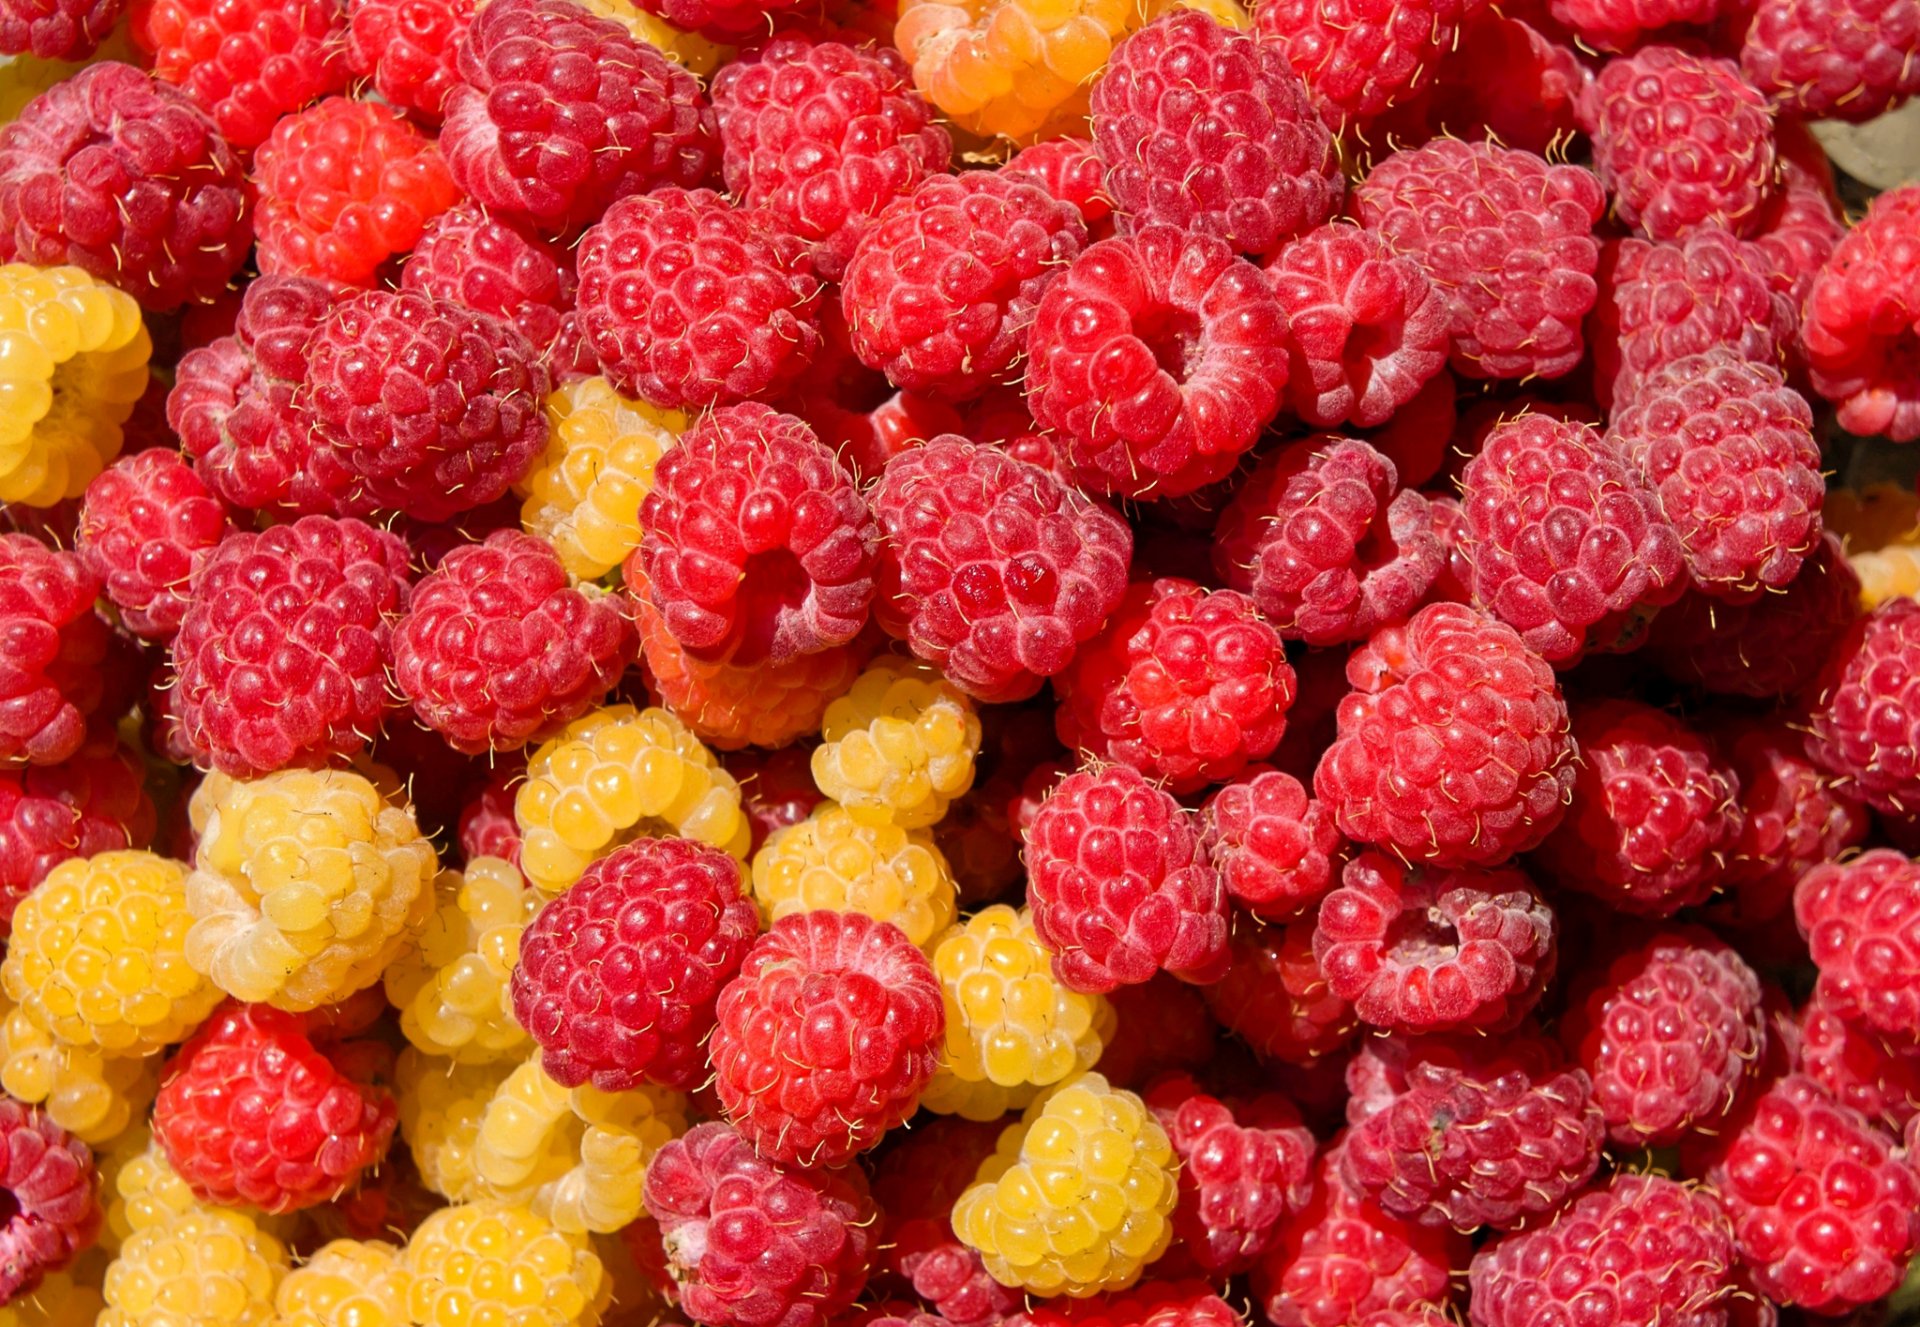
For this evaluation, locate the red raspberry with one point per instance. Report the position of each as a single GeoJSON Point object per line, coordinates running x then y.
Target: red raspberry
{"type": "Point", "coordinates": [1366, 330]}
{"type": "Point", "coordinates": [1242, 1171]}
{"type": "Point", "coordinates": [826, 1037]}
{"type": "Point", "coordinates": [731, 21]}
{"type": "Point", "coordinates": [1794, 817]}
{"type": "Point", "coordinates": [1342, 1261]}
{"type": "Point", "coordinates": [618, 976]}
{"type": "Point", "coordinates": [1513, 74]}
{"type": "Point", "coordinates": [410, 49]}
{"type": "Point", "coordinates": [344, 187]}
{"type": "Point", "coordinates": [1435, 950]}
{"type": "Point", "coordinates": [1875, 1074]}
{"type": "Point", "coordinates": [57, 29]}
{"type": "Point", "coordinates": [1275, 850]}
{"type": "Point", "coordinates": [1865, 720]}
{"type": "Point", "coordinates": [93, 802]}
{"type": "Point", "coordinates": [758, 545]}
{"type": "Point", "coordinates": [1327, 548]}
{"type": "Point", "coordinates": [1453, 746]}
{"type": "Point", "coordinates": [1360, 59]}
{"type": "Point", "coordinates": [1639, 1249]}
{"type": "Point", "coordinates": [993, 569]}
{"type": "Point", "coordinates": [1163, 1026]}
{"type": "Point", "coordinates": [1567, 543]}
{"type": "Point", "coordinates": [126, 178]}
{"type": "Point", "coordinates": [1825, 1213]}
{"type": "Point", "coordinates": [690, 302]}
{"type": "Point", "coordinates": [1507, 237]}
{"type": "Point", "coordinates": [1204, 129]}
{"type": "Point", "coordinates": [1729, 450]}
{"type": "Point", "coordinates": [496, 646]}
{"type": "Point", "coordinates": [1152, 1304]}
{"type": "Point", "coordinates": [1276, 998]}
{"type": "Point", "coordinates": [147, 526]}
{"type": "Point", "coordinates": [1833, 59]}
{"type": "Point", "coordinates": [1158, 357]}
{"type": "Point", "coordinates": [1861, 318]}
{"type": "Point", "coordinates": [495, 266]}
{"type": "Point", "coordinates": [49, 1181]}
{"type": "Point", "coordinates": [560, 114]}
{"type": "Point", "coordinates": [1800, 229]}
{"type": "Point", "coordinates": [916, 1181]}
{"type": "Point", "coordinates": [282, 656]}
{"type": "Point", "coordinates": [823, 135]}
{"type": "Point", "coordinates": [246, 62]}
{"type": "Point", "coordinates": [752, 1242]}
{"type": "Point", "coordinates": [1681, 141]}
{"type": "Point", "coordinates": [1859, 920]}
{"type": "Point", "coordinates": [1070, 170]}
{"type": "Point", "coordinates": [487, 827]}
{"type": "Point", "coordinates": [1187, 685]}
{"type": "Point", "coordinates": [942, 289]}
{"type": "Point", "coordinates": [51, 646]}
{"type": "Point", "coordinates": [251, 1112]}
{"type": "Point", "coordinates": [1470, 1132]}
{"type": "Point", "coordinates": [1120, 884]}
{"type": "Point", "coordinates": [1618, 25]}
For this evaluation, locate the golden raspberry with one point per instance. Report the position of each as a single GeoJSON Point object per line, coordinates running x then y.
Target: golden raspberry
{"type": "Point", "coordinates": [441, 1105]}
{"type": "Point", "coordinates": [207, 1267]}
{"type": "Point", "coordinates": [1077, 1197]}
{"type": "Point", "coordinates": [140, 1188]}
{"type": "Point", "coordinates": [306, 885]}
{"type": "Point", "coordinates": [574, 1156]}
{"type": "Point", "coordinates": [899, 746]}
{"type": "Point", "coordinates": [347, 1283]}
{"type": "Point", "coordinates": [833, 862]}
{"type": "Point", "coordinates": [584, 494]}
{"type": "Point", "coordinates": [1016, 69]}
{"type": "Point", "coordinates": [616, 775]}
{"type": "Point", "coordinates": [1892, 572]}
{"type": "Point", "coordinates": [451, 987]}
{"type": "Point", "coordinates": [1011, 1028]}
{"type": "Point", "coordinates": [69, 1297]}
{"type": "Point", "coordinates": [98, 954]}
{"type": "Point", "coordinates": [492, 1262]}
{"type": "Point", "coordinates": [91, 1096]}
{"type": "Point", "coordinates": [689, 50]}
{"type": "Point", "coordinates": [75, 355]}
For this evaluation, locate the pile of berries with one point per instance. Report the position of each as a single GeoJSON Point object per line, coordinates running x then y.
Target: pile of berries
{"type": "Point", "coordinates": [956, 663]}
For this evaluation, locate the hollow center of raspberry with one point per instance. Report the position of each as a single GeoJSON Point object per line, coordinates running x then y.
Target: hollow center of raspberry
{"type": "Point", "coordinates": [1377, 547]}
{"type": "Point", "coordinates": [1173, 335]}
{"type": "Point", "coordinates": [1422, 938]}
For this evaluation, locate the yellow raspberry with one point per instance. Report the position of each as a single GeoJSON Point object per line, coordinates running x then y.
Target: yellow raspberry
{"type": "Point", "coordinates": [98, 954]}
{"type": "Point", "coordinates": [441, 1104]}
{"type": "Point", "coordinates": [1227, 13]}
{"type": "Point", "coordinates": [1011, 1028]}
{"type": "Point", "coordinates": [689, 50]}
{"type": "Point", "coordinates": [347, 1283]}
{"type": "Point", "coordinates": [898, 746]}
{"type": "Point", "coordinates": [306, 885]}
{"type": "Point", "coordinates": [207, 1267]}
{"type": "Point", "coordinates": [91, 1096]}
{"type": "Point", "coordinates": [451, 988]}
{"type": "Point", "coordinates": [1873, 517]}
{"type": "Point", "coordinates": [575, 1156]}
{"type": "Point", "coordinates": [616, 775]}
{"type": "Point", "coordinates": [492, 1262]}
{"type": "Point", "coordinates": [67, 1298]}
{"type": "Point", "coordinates": [833, 862]}
{"type": "Point", "coordinates": [584, 495]}
{"type": "Point", "coordinates": [1892, 572]}
{"type": "Point", "coordinates": [143, 1190]}
{"type": "Point", "coordinates": [75, 354]}
{"type": "Point", "coordinates": [1077, 1197]}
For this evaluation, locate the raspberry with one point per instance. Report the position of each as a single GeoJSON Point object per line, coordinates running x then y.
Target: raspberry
{"type": "Point", "coordinates": [915, 1182]}
{"type": "Point", "coordinates": [49, 1181]}
{"type": "Point", "coordinates": [487, 827]}
{"type": "Point", "coordinates": [1799, 231]}
{"type": "Point", "coordinates": [1682, 141]}
{"type": "Point", "coordinates": [758, 544]}
{"type": "Point", "coordinates": [1863, 718]}
{"type": "Point", "coordinates": [826, 1038]}
{"type": "Point", "coordinates": [1158, 357]}
{"type": "Point", "coordinates": [1513, 74]}
{"type": "Point", "coordinates": [616, 775]}
{"type": "Point", "coordinates": [1274, 848]}
{"type": "Point", "coordinates": [1641, 1248]}
{"type": "Point", "coordinates": [1360, 60]}
{"type": "Point", "coordinates": [63, 30]}
{"type": "Point", "coordinates": [441, 1105]}
{"type": "Point", "coordinates": [1506, 237]}
{"type": "Point", "coordinates": [1862, 318]}
{"type": "Point", "coordinates": [306, 885]}
{"type": "Point", "coordinates": [1323, 543]}
{"type": "Point", "coordinates": [246, 62]}
{"type": "Point", "coordinates": [1120, 884]}
{"type": "Point", "coordinates": [751, 1241]}
{"type": "Point", "coordinates": [944, 285]}
{"type": "Point", "coordinates": [81, 369]}
{"type": "Point", "coordinates": [1366, 330]}
{"type": "Point", "coordinates": [252, 1113]}
{"type": "Point", "coordinates": [409, 49]}
{"type": "Point", "coordinates": [1823, 1208]}
{"type": "Point", "coordinates": [899, 746]}
{"type": "Point", "coordinates": [1435, 950]}
{"type": "Point", "coordinates": [1794, 819]}
{"type": "Point", "coordinates": [992, 569]}
{"type": "Point", "coordinates": [695, 53]}
{"type": "Point", "coordinates": [823, 135]}
{"type": "Point", "coordinates": [616, 978]}
{"type": "Point", "coordinates": [1204, 129]}
{"type": "Point", "coordinates": [1617, 25]}
{"type": "Point", "coordinates": [1154, 1304]}
{"type": "Point", "coordinates": [1243, 1172]}
{"type": "Point", "coordinates": [1079, 1196]}
{"type": "Point", "coordinates": [282, 655]}
{"type": "Point", "coordinates": [496, 647]}
{"type": "Point", "coordinates": [204, 1267]}
{"type": "Point", "coordinates": [1070, 170]}
{"type": "Point", "coordinates": [91, 1096]}
{"type": "Point", "coordinates": [1012, 1027]}
{"type": "Point", "coordinates": [1832, 59]}
{"type": "Point", "coordinates": [1469, 1134]}
{"type": "Point", "coordinates": [162, 213]}
{"type": "Point", "coordinates": [54, 645]}
{"type": "Point", "coordinates": [147, 525]}
{"type": "Point", "coordinates": [1728, 449]}
{"type": "Point", "coordinates": [92, 802]}
{"type": "Point", "coordinates": [1855, 918]}
{"type": "Point", "coordinates": [584, 495]}
{"type": "Point", "coordinates": [451, 988]}
{"type": "Point", "coordinates": [1877, 1075]}
{"type": "Point", "coordinates": [1276, 998]}
{"type": "Point", "coordinates": [495, 266]}
{"type": "Point", "coordinates": [345, 1281]}
{"type": "Point", "coordinates": [776, 788]}
{"type": "Point", "coordinates": [560, 114]}
{"type": "Point", "coordinates": [479, 1260]}
{"type": "Point", "coordinates": [344, 187]}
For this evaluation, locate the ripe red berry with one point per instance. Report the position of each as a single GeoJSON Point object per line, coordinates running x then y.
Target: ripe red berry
{"type": "Point", "coordinates": [57, 29]}
{"type": "Point", "coordinates": [1875, 1073]}
{"type": "Point", "coordinates": [1360, 60]}
{"type": "Point", "coordinates": [246, 62]}
{"type": "Point", "coordinates": [498, 267]}
{"type": "Point", "coordinates": [1833, 59]}
{"type": "Point", "coordinates": [147, 526]}
{"type": "Point", "coordinates": [1244, 1170]}
{"type": "Point", "coordinates": [1274, 847]}
{"type": "Point", "coordinates": [1793, 816]}
{"type": "Point", "coordinates": [54, 645]}
{"type": "Point", "coordinates": [1070, 170]}
{"type": "Point", "coordinates": [1865, 715]}
{"type": "Point", "coordinates": [1860, 918]}
{"type": "Point", "coordinates": [410, 49]}
{"type": "Point", "coordinates": [53, 1213]}
{"type": "Point", "coordinates": [1276, 998]}
{"type": "Point", "coordinates": [94, 801]}
{"type": "Point", "coordinates": [1861, 312]}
